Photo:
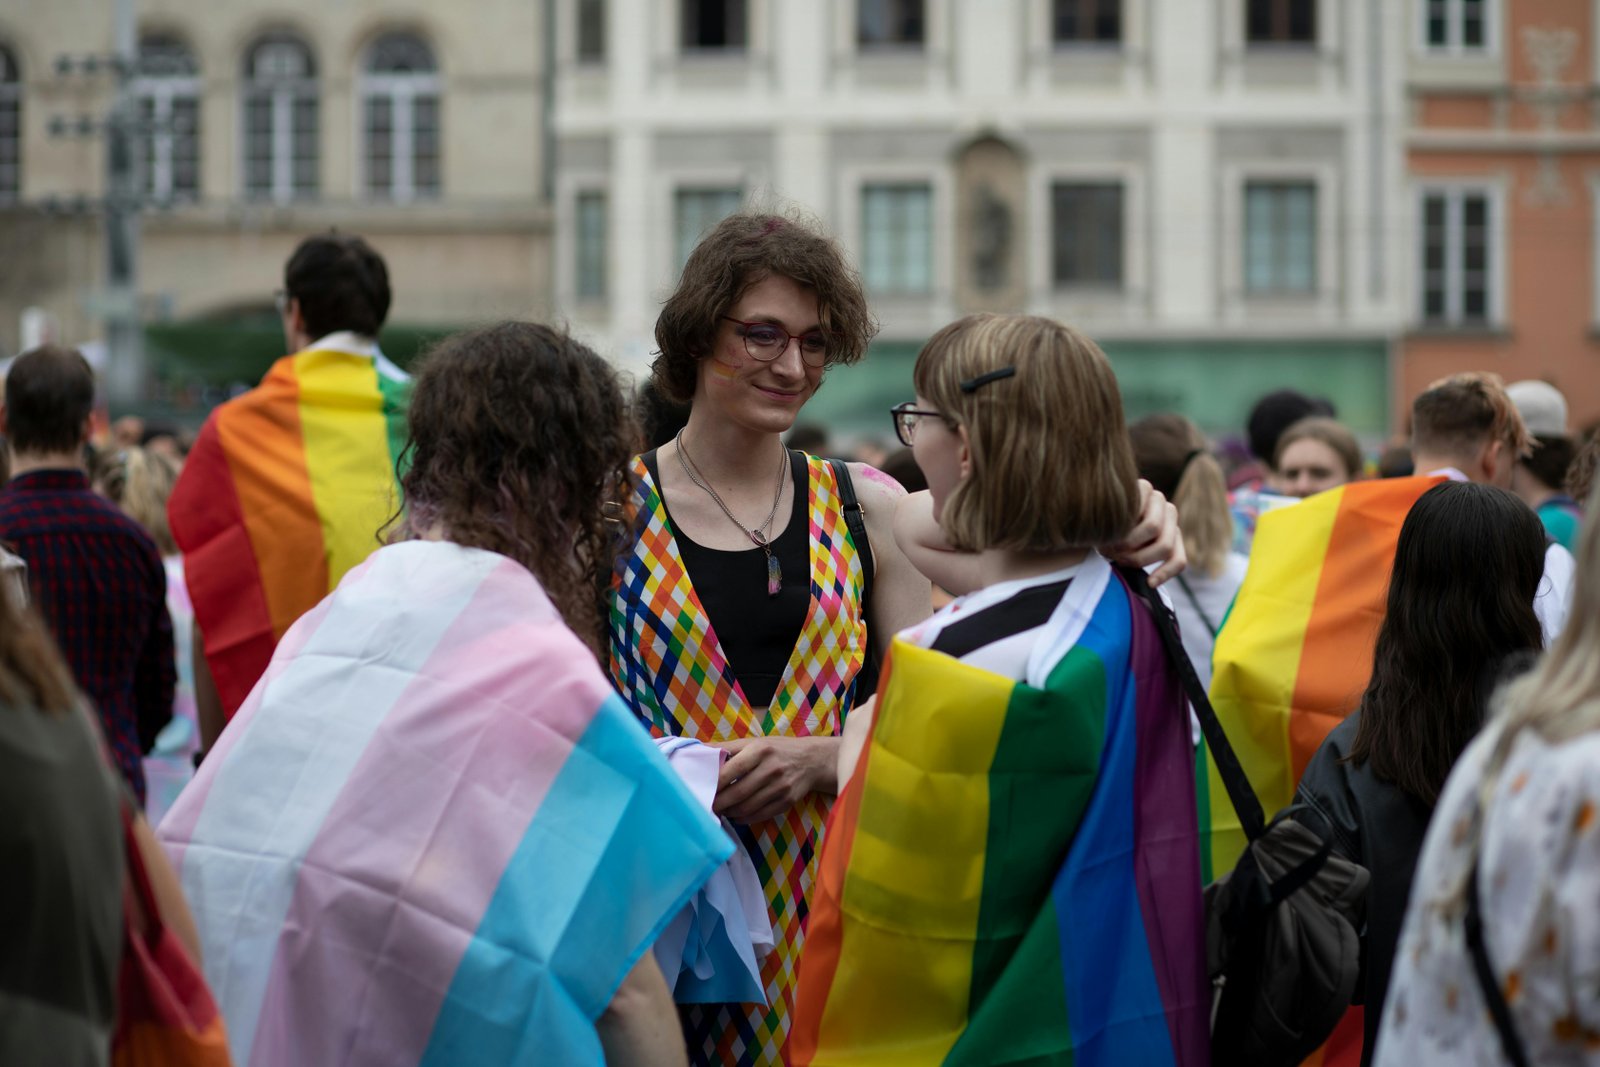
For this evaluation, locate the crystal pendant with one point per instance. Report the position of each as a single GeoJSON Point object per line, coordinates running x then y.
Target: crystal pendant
{"type": "Point", "coordinates": [774, 574]}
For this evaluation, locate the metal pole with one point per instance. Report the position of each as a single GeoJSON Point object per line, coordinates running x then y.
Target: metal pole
{"type": "Point", "coordinates": [125, 370]}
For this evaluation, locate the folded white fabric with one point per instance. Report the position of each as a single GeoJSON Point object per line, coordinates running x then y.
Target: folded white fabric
{"type": "Point", "coordinates": [711, 951]}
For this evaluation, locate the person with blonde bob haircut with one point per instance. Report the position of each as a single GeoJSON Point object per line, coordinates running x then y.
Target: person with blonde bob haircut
{"type": "Point", "coordinates": [1502, 922]}
{"type": "Point", "coordinates": [1030, 746]}
{"type": "Point", "coordinates": [1174, 456]}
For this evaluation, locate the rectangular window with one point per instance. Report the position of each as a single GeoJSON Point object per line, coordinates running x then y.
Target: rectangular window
{"type": "Point", "coordinates": [889, 23]}
{"type": "Point", "coordinates": [1086, 21]}
{"type": "Point", "coordinates": [897, 237]}
{"type": "Point", "coordinates": [696, 211]}
{"type": "Point", "coordinates": [1086, 233]}
{"type": "Point", "coordinates": [713, 25]}
{"type": "Point", "coordinates": [304, 147]}
{"type": "Point", "coordinates": [591, 31]}
{"type": "Point", "coordinates": [185, 147]}
{"type": "Point", "coordinates": [10, 147]}
{"type": "Point", "coordinates": [1456, 25]}
{"type": "Point", "coordinates": [258, 154]}
{"type": "Point", "coordinates": [1281, 22]}
{"type": "Point", "coordinates": [1280, 238]}
{"type": "Point", "coordinates": [425, 145]}
{"type": "Point", "coordinates": [1457, 257]}
{"type": "Point", "coordinates": [380, 145]}
{"type": "Point", "coordinates": [591, 245]}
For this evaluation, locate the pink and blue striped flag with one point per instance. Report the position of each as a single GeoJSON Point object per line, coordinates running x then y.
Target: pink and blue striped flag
{"type": "Point", "coordinates": [432, 835]}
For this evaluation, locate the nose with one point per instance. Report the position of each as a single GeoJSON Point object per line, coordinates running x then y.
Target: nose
{"type": "Point", "coordinates": [790, 364]}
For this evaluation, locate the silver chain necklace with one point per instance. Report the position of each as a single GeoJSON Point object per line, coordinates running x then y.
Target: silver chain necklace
{"type": "Point", "coordinates": [759, 534]}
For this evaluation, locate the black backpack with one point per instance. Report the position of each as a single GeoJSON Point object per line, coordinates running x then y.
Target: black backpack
{"type": "Point", "coordinates": [1282, 945]}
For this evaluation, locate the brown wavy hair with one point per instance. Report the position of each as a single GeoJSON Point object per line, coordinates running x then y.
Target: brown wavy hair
{"type": "Point", "coordinates": [520, 444]}
{"type": "Point", "coordinates": [742, 250]}
{"type": "Point", "coordinates": [32, 672]}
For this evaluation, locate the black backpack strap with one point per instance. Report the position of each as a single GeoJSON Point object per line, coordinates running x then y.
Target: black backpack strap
{"type": "Point", "coordinates": [1494, 1000]}
{"type": "Point", "coordinates": [1234, 779]}
{"type": "Point", "coordinates": [855, 520]}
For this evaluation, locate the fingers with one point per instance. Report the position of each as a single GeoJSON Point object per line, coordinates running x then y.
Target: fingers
{"type": "Point", "coordinates": [1175, 565]}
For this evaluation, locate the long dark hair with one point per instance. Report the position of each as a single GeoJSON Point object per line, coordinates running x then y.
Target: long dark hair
{"type": "Point", "coordinates": [520, 444]}
{"type": "Point", "coordinates": [1467, 567]}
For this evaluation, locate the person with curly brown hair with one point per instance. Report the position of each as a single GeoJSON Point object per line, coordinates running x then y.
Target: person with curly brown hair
{"type": "Point", "coordinates": [433, 831]}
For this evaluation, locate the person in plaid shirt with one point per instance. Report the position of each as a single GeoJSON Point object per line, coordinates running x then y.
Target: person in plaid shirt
{"type": "Point", "coordinates": [94, 573]}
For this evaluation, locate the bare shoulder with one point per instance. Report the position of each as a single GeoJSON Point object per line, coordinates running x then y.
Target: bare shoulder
{"type": "Point", "coordinates": [875, 487]}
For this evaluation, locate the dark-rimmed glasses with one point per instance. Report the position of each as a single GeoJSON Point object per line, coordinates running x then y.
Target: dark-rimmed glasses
{"type": "Point", "coordinates": [767, 342]}
{"type": "Point", "coordinates": [905, 418]}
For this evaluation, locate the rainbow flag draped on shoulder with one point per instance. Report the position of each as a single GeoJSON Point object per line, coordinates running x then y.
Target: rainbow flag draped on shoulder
{"type": "Point", "coordinates": [433, 834]}
{"type": "Point", "coordinates": [1011, 873]}
{"type": "Point", "coordinates": [284, 492]}
{"type": "Point", "coordinates": [1295, 653]}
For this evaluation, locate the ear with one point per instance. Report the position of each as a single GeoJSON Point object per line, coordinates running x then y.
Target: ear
{"type": "Point", "coordinates": [966, 450]}
{"type": "Point", "coordinates": [1493, 459]}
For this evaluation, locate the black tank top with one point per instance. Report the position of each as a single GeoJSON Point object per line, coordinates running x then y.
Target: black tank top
{"type": "Point", "coordinates": [757, 632]}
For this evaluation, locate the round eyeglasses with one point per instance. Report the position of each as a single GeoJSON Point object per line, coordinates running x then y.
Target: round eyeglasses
{"type": "Point", "coordinates": [905, 418]}
{"type": "Point", "coordinates": [767, 342]}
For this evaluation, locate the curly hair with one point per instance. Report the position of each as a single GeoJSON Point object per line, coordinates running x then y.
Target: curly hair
{"type": "Point", "coordinates": [740, 251]}
{"type": "Point", "coordinates": [520, 444]}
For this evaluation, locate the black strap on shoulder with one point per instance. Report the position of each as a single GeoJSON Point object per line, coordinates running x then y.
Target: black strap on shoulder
{"type": "Point", "coordinates": [855, 520]}
{"type": "Point", "coordinates": [1234, 779]}
{"type": "Point", "coordinates": [1494, 1000]}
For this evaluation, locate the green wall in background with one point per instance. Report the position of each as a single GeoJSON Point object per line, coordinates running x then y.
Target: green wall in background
{"type": "Point", "coordinates": [1215, 383]}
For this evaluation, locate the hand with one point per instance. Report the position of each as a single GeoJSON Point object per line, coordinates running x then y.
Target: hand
{"type": "Point", "coordinates": [1155, 538]}
{"type": "Point", "coordinates": [764, 777]}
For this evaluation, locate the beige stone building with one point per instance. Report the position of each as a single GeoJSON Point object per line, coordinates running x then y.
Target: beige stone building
{"type": "Point", "coordinates": [416, 125]}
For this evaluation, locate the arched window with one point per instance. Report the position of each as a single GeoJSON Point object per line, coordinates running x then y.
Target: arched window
{"type": "Point", "coordinates": [10, 126]}
{"type": "Point", "coordinates": [400, 119]}
{"type": "Point", "coordinates": [280, 120]}
{"type": "Point", "coordinates": [168, 89]}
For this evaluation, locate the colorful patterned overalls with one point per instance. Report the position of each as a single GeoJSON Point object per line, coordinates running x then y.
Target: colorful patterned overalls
{"type": "Point", "coordinates": [669, 665]}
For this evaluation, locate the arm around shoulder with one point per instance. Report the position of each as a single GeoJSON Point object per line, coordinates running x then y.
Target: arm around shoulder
{"type": "Point", "coordinates": [901, 595]}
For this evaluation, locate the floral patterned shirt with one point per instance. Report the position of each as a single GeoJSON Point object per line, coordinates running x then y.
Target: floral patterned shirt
{"type": "Point", "coordinates": [1539, 882]}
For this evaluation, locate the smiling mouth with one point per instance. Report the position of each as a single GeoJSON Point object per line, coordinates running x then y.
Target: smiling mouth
{"type": "Point", "coordinates": [779, 393]}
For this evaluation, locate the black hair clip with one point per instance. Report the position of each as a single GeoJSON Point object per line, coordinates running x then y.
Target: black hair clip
{"type": "Point", "coordinates": [972, 385]}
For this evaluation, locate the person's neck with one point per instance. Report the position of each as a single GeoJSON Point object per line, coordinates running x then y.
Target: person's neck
{"type": "Point", "coordinates": [996, 565]}
{"type": "Point", "coordinates": [1534, 494]}
{"type": "Point", "coordinates": [726, 453]}
{"type": "Point", "coordinates": [25, 462]}
{"type": "Point", "coordinates": [1424, 463]}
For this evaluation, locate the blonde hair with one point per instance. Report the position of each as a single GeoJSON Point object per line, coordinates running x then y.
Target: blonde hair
{"type": "Point", "coordinates": [1330, 432]}
{"type": "Point", "coordinates": [139, 482]}
{"type": "Point", "coordinates": [1174, 456]}
{"type": "Point", "coordinates": [1051, 464]}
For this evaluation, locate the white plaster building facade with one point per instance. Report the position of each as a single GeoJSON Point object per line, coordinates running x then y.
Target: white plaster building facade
{"type": "Point", "coordinates": [1211, 188]}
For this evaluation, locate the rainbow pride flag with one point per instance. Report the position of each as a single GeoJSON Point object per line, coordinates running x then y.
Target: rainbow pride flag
{"type": "Point", "coordinates": [1011, 873]}
{"type": "Point", "coordinates": [1295, 653]}
{"type": "Point", "coordinates": [285, 491]}
{"type": "Point", "coordinates": [433, 835]}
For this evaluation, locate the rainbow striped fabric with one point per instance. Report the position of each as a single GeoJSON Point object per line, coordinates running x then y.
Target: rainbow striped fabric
{"type": "Point", "coordinates": [1295, 654]}
{"type": "Point", "coordinates": [285, 491]}
{"type": "Point", "coordinates": [1011, 874]}
{"type": "Point", "coordinates": [433, 834]}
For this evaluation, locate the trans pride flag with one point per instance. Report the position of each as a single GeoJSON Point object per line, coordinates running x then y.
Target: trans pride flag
{"type": "Point", "coordinates": [1011, 873]}
{"type": "Point", "coordinates": [433, 835]}
{"type": "Point", "coordinates": [283, 493]}
{"type": "Point", "coordinates": [1295, 653]}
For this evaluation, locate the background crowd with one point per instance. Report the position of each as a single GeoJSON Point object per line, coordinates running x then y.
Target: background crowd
{"type": "Point", "coordinates": [499, 677]}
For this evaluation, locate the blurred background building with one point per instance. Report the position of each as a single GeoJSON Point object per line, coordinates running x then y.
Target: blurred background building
{"type": "Point", "coordinates": [1346, 196]}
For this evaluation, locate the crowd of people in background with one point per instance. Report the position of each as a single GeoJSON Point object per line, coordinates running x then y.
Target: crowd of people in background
{"type": "Point", "coordinates": [501, 712]}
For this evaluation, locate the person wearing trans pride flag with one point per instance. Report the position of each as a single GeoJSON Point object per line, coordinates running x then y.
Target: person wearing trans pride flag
{"type": "Point", "coordinates": [1011, 871]}
{"type": "Point", "coordinates": [433, 834]}
{"type": "Point", "coordinates": [285, 485]}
